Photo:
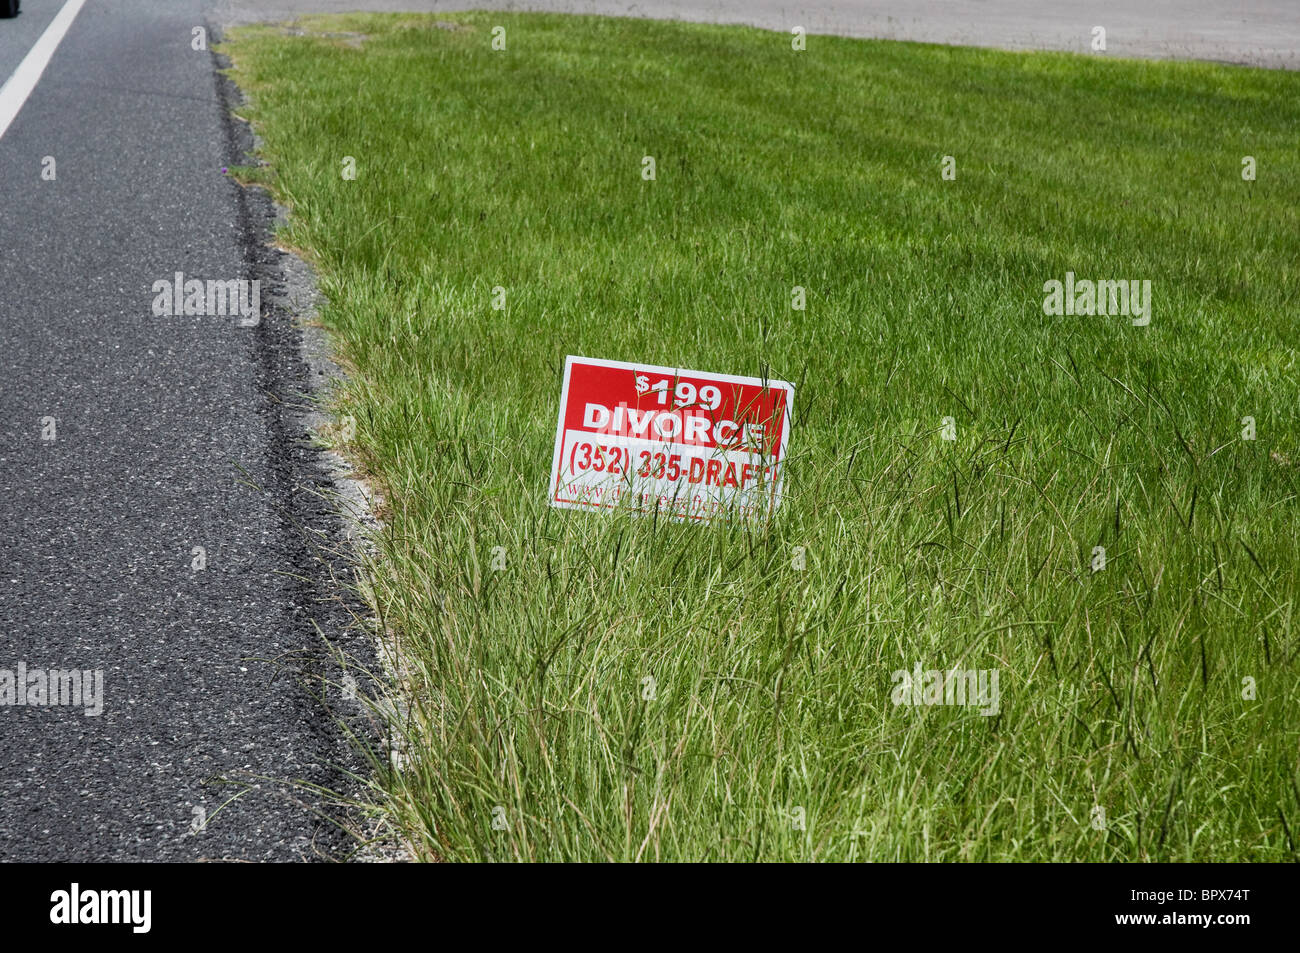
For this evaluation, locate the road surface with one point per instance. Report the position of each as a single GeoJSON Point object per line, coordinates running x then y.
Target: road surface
{"type": "Point", "coordinates": [169, 433]}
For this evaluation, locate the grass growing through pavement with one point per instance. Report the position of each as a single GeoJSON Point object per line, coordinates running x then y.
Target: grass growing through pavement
{"type": "Point", "coordinates": [772, 734]}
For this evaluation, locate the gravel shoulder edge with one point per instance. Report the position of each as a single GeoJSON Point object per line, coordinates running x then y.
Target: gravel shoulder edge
{"type": "Point", "coordinates": [331, 510]}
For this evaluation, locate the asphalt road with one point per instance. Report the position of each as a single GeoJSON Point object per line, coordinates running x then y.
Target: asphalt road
{"type": "Point", "coordinates": [170, 433]}
{"type": "Point", "coordinates": [1252, 32]}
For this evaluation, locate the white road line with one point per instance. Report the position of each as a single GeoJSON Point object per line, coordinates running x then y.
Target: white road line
{"type": "Point", "coordinates": [20, 85]}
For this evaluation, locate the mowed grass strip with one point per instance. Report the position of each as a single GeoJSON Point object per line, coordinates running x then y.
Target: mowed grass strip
{"type": "Point", "coordinates": [632, 688]}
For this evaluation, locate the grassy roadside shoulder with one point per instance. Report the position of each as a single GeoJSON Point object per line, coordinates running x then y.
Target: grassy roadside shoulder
{"type": "Point", "coordinates": [634, 689]}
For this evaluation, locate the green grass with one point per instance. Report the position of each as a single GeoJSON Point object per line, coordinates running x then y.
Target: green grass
{"type": "Point", "coordinates": [1121, 688]}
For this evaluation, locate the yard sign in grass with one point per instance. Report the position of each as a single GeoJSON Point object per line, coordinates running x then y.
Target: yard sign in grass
{"type": "Point", "coordinates": [690, 444]}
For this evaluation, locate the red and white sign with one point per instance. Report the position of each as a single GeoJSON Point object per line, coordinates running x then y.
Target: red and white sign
{"type": "Point", "coordinates": [691, 445]}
